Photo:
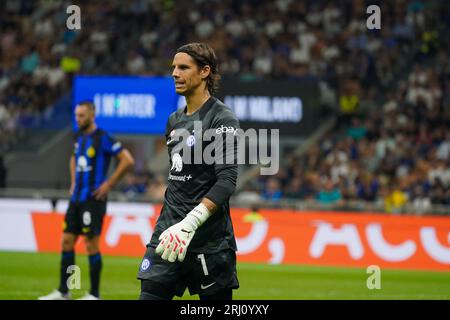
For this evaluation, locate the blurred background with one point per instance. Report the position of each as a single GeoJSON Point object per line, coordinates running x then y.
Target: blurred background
{"type": "Point", "coordinates": [364, 149]}
{"type": "Point", "coordinates": [372, 126]}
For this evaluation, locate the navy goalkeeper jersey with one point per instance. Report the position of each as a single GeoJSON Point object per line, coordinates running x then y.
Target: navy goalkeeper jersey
{"type": "Point", "coordinates": [189, 183]}
{"type": "Point", "coordinates": [92, 154]}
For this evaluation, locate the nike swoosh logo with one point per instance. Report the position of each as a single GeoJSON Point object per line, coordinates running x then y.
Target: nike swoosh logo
{"type": "Point", "coordinates": [207, 286]}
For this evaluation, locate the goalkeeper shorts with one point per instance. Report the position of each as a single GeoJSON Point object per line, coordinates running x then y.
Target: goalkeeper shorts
{"type": "Point", "coordinates": [204, 274]}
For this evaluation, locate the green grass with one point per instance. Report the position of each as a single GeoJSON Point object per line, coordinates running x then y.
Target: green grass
{"type": "Point", "coordinates": [29, 275]}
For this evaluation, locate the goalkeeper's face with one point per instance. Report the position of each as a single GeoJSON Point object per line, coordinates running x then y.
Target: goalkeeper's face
{"type": "Point", "coordinates": [187, 75]}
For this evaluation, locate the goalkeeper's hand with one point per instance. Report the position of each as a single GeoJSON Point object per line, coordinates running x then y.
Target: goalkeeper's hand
{"type": "Point", "coordinates": [175, 240]}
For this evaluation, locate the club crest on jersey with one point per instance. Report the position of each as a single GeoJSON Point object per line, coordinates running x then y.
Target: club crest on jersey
{"type": "Point", "coordinates": [190, 141]}
{"type": "Point", "coordinates": [177, 163]}
{"type": "Point", "coordinates": [145, 264]}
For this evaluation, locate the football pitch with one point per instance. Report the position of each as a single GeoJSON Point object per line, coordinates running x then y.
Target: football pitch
{"type": "Point", "coordinates": [29, 275]}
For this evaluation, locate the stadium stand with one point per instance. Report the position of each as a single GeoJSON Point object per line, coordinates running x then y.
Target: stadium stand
{"type": "Point", "coordinates": [390, 145]}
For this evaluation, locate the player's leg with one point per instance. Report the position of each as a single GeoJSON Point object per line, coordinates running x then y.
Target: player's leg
{"type": "Point", "coordinates": [67, 259]}
{"type": "Point", "coordinates": [151, 290]}
{"type": "Point", "coordinates": [71, 230]}
{"type": "Point", "coordinates": [95, 263]}
{"type": "Point", "coordinates": [92, 223]}
{"type": "Point", "coordinates": [160, 279]}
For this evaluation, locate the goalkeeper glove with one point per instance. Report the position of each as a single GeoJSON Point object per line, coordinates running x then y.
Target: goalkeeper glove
{"type": "Point", "coordinates": [175, 240]}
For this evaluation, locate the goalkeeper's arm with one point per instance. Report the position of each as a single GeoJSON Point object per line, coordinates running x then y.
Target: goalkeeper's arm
{"type": "Point", "coordinates": [175, 240]}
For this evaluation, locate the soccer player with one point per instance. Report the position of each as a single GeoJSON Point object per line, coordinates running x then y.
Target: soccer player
{"type": "Point", "coordinates": [193, 244]}
{"type": "Point", "coordinates": [89, 164]}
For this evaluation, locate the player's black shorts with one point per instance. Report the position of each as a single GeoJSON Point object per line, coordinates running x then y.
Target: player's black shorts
{"type": "Point", "coordinates": [85, 217]}
{"type": "Point", "coordinates": [204, 274]}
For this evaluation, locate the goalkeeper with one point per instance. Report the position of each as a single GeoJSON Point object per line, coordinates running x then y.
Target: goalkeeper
{"type": "Point", "coordinates": [193, 245]}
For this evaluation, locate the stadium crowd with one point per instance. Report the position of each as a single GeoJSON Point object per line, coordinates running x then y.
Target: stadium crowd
{"type": "Point", "coordinates": [391, 148]}
{"type": "Point", "coordinates": [397, 154]}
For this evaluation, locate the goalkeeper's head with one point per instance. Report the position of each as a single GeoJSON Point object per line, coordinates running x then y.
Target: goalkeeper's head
{"type": "Point", "coordinates": [204, 58]}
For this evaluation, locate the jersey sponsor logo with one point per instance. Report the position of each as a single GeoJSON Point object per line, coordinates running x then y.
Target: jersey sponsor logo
{"type": "Point", "coordinates": [203, 287]}
{"type": "Point", "coordinates": [190, 141]}
{"type": "Point", "coordinates": [180, 178]}
{"type": "Point", "coordinates": [145, 264]}
{"type": "Point", "coordinates": [177, 163]}
{"type": "Point", "coordinates": [224, 129]}
{"type": "Point", "coordinates": [82, 164]}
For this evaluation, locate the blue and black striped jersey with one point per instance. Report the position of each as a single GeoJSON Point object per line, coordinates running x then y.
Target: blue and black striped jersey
{"type": "Point", "coordinates": [92, 154]}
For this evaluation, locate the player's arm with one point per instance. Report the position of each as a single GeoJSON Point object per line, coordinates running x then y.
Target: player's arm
{"type": "Point", "coordinates": [226, 173]}
{"type": "Point", "coordinates": [220, 192]}
{"type": "Point", "coordinates": [211, 206]}
{"type": "Point", "coordinates": [72, 173]}
{"type": "Point", "coordinates": [126, 161]}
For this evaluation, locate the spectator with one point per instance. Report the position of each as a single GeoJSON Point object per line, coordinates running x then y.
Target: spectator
{"type": "Point", "coordinates": [272, 191]}
{"type": "Point", "coordinates": [297, 190]}
{"type": "Point", "coordinates": [356, 130]}
{"type": "Point", "coordinates": [329, 194]}
{"type": "Point", "coordinates": [395, 201]}
{"type": "Point", "coordinates": [421, 202]}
